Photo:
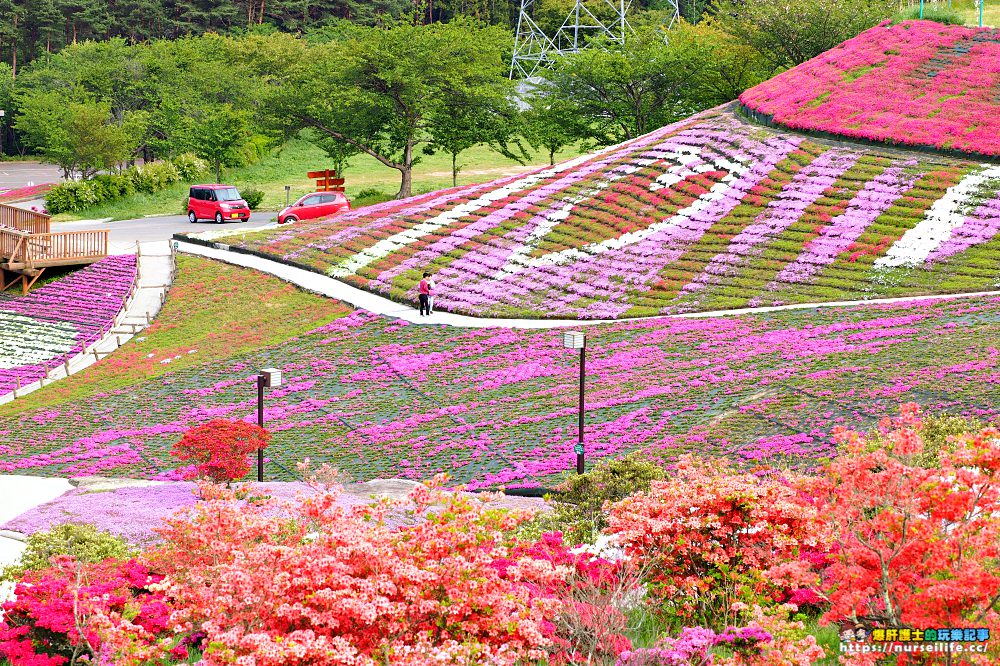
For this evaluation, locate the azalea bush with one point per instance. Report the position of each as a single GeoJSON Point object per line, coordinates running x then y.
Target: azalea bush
{"type": "Point", "coordinates": [220, 450]}
{"type": "Point", "coordinates": [917, 546]}
{"type": "Point", "coordinates": [314, 582]}
{"type": "Point", "coordinates": [711, 536]}
{"type": "Point", "coordinates": [62, 613]}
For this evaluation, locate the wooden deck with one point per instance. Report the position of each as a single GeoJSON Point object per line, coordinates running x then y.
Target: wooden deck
{"type": "Point", "coordinates": [28, 246]}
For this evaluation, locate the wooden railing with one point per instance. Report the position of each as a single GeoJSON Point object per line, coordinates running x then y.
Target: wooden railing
{"type": "Point", "coordinates": [23, 250]}
{"type": "Point", "coordinates": [13, 217]}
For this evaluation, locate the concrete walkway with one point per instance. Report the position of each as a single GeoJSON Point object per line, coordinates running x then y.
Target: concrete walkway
{"type": "Point", "coordinates": [360, 298]}
{"type": "Point", "coordinates": [21, 494]}
{"type": "Point", "coordinates": [155, 273]}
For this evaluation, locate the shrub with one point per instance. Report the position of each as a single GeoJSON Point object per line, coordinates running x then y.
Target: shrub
{"type": "Point", "coordinates": [85, 543]}
{"type": "Point", "coordinates": [711, 535]}
{"type": "Point", "coordinates": [61, 613]}
{"type": "Point", "coordinates": [578, 511]}
{"type": "Point", "coordinates": [112, 186]}
{"type": "Point", "coordinates": [80, 195]}
{"type": "Point", "coordinates": [918, 546]}
{"type": "Point", "coordinates": [190, 166]}
{"type": "Point", "coordinates": [938, 434]}
{"type": "Point", "coordinates": [153, 176]}
{"type": "Point", "coordinates": [220, 449]}
{"type": "Point", "coordinates": [71, 196]}
{"type": "Point", "coordinates": [369, 196]}
{"type": "Point", "coordinates": [252, 196]}
{"type": "Point", "coordinates": [315, 582]}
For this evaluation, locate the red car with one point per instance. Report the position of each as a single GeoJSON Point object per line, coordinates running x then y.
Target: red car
{"type": "Point", "coordinates": [216, 202]}
{"type": "Point", "coordinates": [318, 204]}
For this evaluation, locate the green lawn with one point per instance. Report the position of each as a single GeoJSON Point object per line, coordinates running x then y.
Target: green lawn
{"type": "Point", "coordinates": [288, 165]}
{"type": "Point", "coordinates": [969, 11]}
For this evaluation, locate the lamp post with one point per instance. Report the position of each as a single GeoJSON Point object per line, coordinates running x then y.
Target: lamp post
{"type": "Point", "coordinates": [577, 340]}
{"type": "Point", "coordinates": [288, 189]}
{"type": "Point", "coordinates": [981, 3]}
{"type": "Point", "coordinates": [269, 377]}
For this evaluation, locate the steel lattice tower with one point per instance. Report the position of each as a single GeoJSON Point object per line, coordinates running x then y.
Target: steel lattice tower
{"type": "Point", "coordinates": [533, 49]}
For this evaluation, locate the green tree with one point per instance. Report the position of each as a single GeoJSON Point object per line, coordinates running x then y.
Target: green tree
{"type": "Point", "coordinates": [623, 92]}
{"type": "Point", "coordinates": [218, 134]}
{"type": "Point", "coordinates": [337, 151]}
{"type": "Point", "coordinates": [552, 123]}
{"type": "Point", "coordinates": [380, 90]}
{"type": "Point", "coordinates": [789, 32]}
{"type": "Point", "coordinates": [488, 115]}
{"type": "Point", "coordinates": [6, 103]}
{"type": "Point", "coordinates": [732, 66]}
{"type": "Point", "coordinates": [80, 137]}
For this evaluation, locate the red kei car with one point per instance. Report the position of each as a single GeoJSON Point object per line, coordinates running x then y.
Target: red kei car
{"type": "Point", "coordinates": [318, 204]}
{"type": "Point", "coordinates": [216, 202]}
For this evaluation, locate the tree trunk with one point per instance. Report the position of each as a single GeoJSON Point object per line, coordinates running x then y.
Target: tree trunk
{"type": "Point", "coordinates": [405, 182]}
{"type": "Point", "coordinates": [552, 157]}
{"type": "Point", "coordinates": [218, 171]}
{"type": "Point", "coordinates": [13, 51]}
{"type": "Point", "coordinates": [406, 172]}
{"type": "Point", "coordinates": [454, 170]}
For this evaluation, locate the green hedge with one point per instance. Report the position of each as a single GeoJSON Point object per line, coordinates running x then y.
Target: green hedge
{"type": "Point", "coordinates": [148, 178]}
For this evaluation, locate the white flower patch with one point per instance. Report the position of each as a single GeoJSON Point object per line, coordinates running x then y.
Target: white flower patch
{"type": "Point", "coordinates": [28, 341]}
{"type": "Point", "coordinates": [944, 216]}
{"type": "Point", "coordinates": [735, 169]}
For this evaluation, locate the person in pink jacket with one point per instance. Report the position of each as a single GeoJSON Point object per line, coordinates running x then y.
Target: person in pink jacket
{"type": "Point", "coordinates": [426, 288]}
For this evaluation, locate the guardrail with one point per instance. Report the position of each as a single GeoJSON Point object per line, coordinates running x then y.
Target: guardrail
{"type": "Point", "coordinates": [25, 220]}
{"type": "Point", "coordinates": [21, 250]}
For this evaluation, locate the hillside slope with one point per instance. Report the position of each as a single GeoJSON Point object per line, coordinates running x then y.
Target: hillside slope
{"type": "Point", "coordinates": [918, 83]}
{"type": "Point", "coordinates": [378, 398]}
{"type": "Point", "coordinates": [711, 213]}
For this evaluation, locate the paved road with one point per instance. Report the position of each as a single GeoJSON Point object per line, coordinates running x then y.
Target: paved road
{"type": "Point", "coordinates": [19, 174]}
{"type": "Point", "coordinates": [126, 233]}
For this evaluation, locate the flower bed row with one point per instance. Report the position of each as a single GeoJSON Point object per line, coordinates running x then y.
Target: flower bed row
{"type": "Point", "coordinates": [379, 398]}
{"type": "Point", "coordinates": [711, 213]}
{"type": "Point", "coordinates": [55, 322]}
{"type": "Point", "coordinates": [918, 83]}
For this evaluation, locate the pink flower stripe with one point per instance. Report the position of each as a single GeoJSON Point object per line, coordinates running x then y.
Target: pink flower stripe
{"type": "Point", "coordinates": [979, 227]}
{"type": "Point", "coordinates": [806, 187]}
{"type": "Point", "coordinates": [874, 199]}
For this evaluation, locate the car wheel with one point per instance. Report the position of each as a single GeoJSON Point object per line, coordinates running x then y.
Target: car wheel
{"type": "Point", "coordinates": [218, 218]}
{"type": "Point", "coordinates": [192, 218]}
{"type": "Point", "coordinates": [291, 218]}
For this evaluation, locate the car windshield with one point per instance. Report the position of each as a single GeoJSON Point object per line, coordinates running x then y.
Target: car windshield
{"type": "Point", "coordinates": [228, 194]}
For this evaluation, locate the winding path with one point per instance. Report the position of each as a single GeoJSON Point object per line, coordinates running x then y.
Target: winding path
{"type": "Point", "coordinates": [365, 300]}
